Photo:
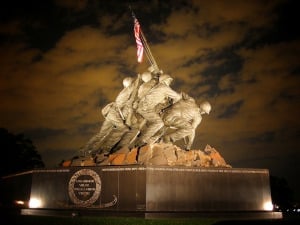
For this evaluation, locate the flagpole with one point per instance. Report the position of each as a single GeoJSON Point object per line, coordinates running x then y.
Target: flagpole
{"type": "Point", "coordinates": [148, 52]}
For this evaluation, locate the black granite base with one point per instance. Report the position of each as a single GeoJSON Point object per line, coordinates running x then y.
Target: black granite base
{"type": "Point", "coordinates": [148, 191]}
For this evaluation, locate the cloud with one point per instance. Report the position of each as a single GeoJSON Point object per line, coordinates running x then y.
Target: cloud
{"type": "Point", "coordinates": [74, 74]}
{"type": "Point", "coordinates": [250, 13]}
{"type": "Point", "coordinates": [271, 69]}
{"type": "Point", "coordinates": [11, 28]}
{"type": "Point", "coordinates": [76, 5]}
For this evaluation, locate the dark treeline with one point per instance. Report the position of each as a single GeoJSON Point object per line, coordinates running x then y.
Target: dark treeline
{"type": "Point", "coordinates": [18, 153]}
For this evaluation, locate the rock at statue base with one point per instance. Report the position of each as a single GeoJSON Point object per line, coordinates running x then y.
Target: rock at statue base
{"type": "Point", "coordinates": [161, 154]}
{"type": "Point", "coordinates": [217, 159]}
{"type": "Point", "coordinates": [82, 161]}
{"type": "Point", "coordinates": [131, 157]}
{"type": "Point", "coordinates": [144, 154]}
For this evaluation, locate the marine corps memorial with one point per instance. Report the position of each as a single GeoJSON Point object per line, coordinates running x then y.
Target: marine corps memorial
{"type": "Point", "coordinates": [142, 162]}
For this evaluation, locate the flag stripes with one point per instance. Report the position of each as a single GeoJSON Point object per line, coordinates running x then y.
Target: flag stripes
{"type": "Point", "coordinates": [139, 44]}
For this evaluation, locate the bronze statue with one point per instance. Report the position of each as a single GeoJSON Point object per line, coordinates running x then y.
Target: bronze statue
{"type": "Point", "coordinates": [147, 111]}
{"type": "Point", "coordinates": [115, 114]}
{"type": "Point", "coordinates": [150, 106]}
{"type": "Point", "coordinates": [182, 118]}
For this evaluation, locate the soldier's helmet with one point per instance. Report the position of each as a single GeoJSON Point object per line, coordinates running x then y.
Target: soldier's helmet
{"type": "Point", "coordinates": [146, 76]}
{"type": "Point", "coordinates": [205, 107]}
{"type": "Point", "coordinates": [165, 78]}
{"type": "Point", "coordinates": [127, 81]}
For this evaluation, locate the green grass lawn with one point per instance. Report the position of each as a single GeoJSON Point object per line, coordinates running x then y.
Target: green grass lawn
{"type": "Point", "coordinates": [50, 220]}
{"type": "Point", "coordinates": [15, 218]}
{"type": "Point", "coordinates": [45, 220]}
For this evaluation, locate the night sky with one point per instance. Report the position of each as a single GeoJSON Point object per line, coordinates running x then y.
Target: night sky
{"type": "Point", "coordinates": [63, 61]}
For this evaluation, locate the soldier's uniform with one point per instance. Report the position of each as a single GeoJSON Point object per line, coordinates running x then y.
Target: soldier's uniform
{"type": "Point", "coordinates": [184, 117]}
{"type": "Point", "coordinates": [151, 105]}
{"type": "Point", "coordinates": [113, 113]}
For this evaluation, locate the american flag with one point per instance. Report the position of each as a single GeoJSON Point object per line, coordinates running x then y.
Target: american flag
{"type": "Point", "coordinates": [139, 44]}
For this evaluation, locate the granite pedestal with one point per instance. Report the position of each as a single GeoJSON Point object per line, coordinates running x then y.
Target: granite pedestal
{"type": "Point", "coordinates": [148, 191]}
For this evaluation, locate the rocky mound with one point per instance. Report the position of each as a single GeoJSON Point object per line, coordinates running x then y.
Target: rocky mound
{"type": "Point", "coordinates": [157, 154]}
